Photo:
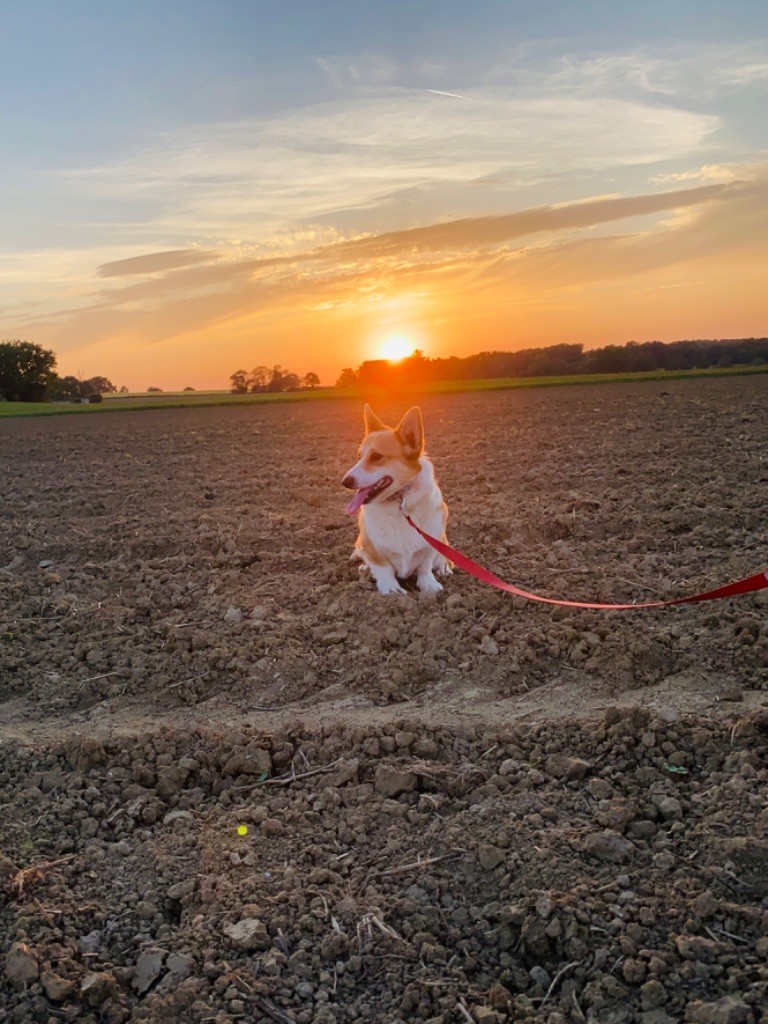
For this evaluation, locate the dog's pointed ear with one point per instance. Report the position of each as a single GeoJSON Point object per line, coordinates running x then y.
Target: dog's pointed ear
{"type": "Point", "coordinates": [410, 430]}
{"type": "Point", "coordinates": [372, 421]}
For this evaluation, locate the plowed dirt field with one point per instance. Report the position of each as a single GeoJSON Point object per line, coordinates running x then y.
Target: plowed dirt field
{"type": "Point", "coordinates": [451, 809]}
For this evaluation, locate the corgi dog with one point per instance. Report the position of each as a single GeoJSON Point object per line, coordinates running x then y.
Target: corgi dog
{"type": "Point", "coordinates": [393, 476]}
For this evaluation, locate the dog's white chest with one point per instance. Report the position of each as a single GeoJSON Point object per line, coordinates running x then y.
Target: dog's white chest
{"type": "Point", "coordinates": [396, 540]}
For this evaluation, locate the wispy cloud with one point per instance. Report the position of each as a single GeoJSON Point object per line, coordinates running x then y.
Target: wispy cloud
{"type": "Point", "coordinates": [678, 72]}
{"type": "Point", "coordinates": [154, 262]}
{"type": "Point", "coordinates": [755, 170]}
{"type": "Point", "coordinates": [253, 177]}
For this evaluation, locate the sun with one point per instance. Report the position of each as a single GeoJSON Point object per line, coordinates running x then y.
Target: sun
{"type": "Point", "coordinates": [396, 348]}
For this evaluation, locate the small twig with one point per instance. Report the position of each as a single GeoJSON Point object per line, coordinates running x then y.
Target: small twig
{"type": "Point", "coordinates": [387, 929]}
{"type": "Point", "coordinates": [636, 583]}
{"type": "Point", "coordinates": [268, 1007]}
{"type": "Point", "coordinates": [61, 1012]}
{"type": "Point", "coordinates": [184, 682]}
{"type": "Point", "coordinates": [34, 873]}
{"type": "Point", "coordinates": [93, 679]}
{"type": "Point", "coordinates": [418, 864]}
{"type": "Point", "coordinates": [576, 1006]}
{"type": "Point", "coordinates": [722, 931]}
{"type": "Point", "coordinates": [557, 978]}
{"type": "Point", "coordinates": [464, 1011]}
{"type": "Point", "coordinates": [287, 780]}
{"type": "Point", "coordinates": [241, 979]}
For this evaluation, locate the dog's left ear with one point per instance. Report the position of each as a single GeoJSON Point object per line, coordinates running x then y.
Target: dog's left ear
{"type": "Point", "coordinates": [410, 431]}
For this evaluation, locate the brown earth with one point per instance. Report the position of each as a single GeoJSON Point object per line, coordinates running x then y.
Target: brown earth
{"type": "Point", "coordinates": [468, 808]}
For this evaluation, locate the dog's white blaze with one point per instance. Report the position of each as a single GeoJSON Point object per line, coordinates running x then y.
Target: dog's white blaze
{"type": "Point", "coordinates": [364, 477]}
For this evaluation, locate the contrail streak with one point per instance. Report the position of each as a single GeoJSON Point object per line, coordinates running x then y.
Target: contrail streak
{"type": "Point", "coordinates": [439, 92]}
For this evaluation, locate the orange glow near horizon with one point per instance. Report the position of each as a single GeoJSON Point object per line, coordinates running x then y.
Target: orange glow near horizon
{"type": "Point", "coordinates": [396, 348]}
{"type": "Point", "coordinates": [466, 290]}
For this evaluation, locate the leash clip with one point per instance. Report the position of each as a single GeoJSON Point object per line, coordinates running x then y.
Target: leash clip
{"type": "Point", "coordinates": [403, 496]}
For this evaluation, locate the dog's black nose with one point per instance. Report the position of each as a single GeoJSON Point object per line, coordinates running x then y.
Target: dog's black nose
{"type": "Point", "coordinates": [349, 481]}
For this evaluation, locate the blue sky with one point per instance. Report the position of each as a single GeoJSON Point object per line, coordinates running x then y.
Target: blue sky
{"type": "Point", "coordinates": [257, 141]}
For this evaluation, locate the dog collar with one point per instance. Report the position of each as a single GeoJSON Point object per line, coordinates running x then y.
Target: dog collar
{"type": "Point", "coordinates": [401, 495]}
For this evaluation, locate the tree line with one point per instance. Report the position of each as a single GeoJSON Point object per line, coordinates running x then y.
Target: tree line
{"type": "Point", "coordinates": [558, 361]}
{"type": "Point", "coordinates": [28, 374]}
{"type": "Point", "coordinates": [28, 371]}
{"type": "Point", "coordinates": [262, 379]}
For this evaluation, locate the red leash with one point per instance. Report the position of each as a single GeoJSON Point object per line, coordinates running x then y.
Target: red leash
{"type": "Point", "coordinates": [747, 586]}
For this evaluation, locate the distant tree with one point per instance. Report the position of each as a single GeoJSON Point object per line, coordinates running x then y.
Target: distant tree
{"type": "Point", "coordinates": [158, 390]}
{"type": "Point", "coordinates": [123, 389]}
{"type": "Point", "coordinates": [377, 373]}
{"type": "Point", "coordinates": [27, 371]}
{"type": "Point", "coordinates": [276, 379]}
{"type": "Point", "coordinates": [259, 378]}
{"type": "Point", "coordinates": [239, 382]}
{"type": "Point", "coordinates": [189, 389]}
{"type": "Point", "coordinates": [347, 378]}
{"type": "Point", "coordinates": [310, 381]}
{"type": "Point", "coordinates": [68, 389]}
{"type": "Point", "coordinates": [98, 386]}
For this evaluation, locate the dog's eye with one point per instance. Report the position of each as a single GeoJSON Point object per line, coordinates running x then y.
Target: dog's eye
{"type": "Point", "coordinates": [374, 457]}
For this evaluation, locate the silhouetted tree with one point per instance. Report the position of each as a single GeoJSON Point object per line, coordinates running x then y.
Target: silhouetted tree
{"type": "Point", "coordinates": [311, 381]}
{"type": "Point", "coordinates": [347, 378]}
{"type": "Point", "coordinates": [276, 380]}
{"type": "Point", "coordinates": [98, 386]}
{"type": "Point", "coordinates": [290, 381]}
{"type": "Point", "coordinates": [72, 389]}
{"type": "Point", "coordinates": [262, 379]}
{"type": "Point", "coordinates": [27, 371]}
{"type": "Point", "coordinates": [259, 378]}
{"type": "Point", "coordinates": [239, 382]}
{"type": "Point", "coordinates": [68, 389]}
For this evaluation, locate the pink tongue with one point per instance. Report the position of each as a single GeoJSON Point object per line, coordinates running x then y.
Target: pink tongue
{"type": "Point", "coordinates": [357, 502]}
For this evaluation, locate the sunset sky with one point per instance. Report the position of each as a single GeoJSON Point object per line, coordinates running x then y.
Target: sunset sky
{"type": "Point", "coordinates": [188, 188]}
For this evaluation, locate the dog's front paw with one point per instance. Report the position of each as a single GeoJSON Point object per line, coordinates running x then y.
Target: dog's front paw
{"type": "Point", "coordinates": [429, 585]}
{"type": "Point", "coordinates": [444, 568]}
{"type": "Point", "coordinates": [390, 588]}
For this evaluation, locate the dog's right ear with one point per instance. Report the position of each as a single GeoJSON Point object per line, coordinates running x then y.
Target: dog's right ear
{"type": "Point", "coordinates": [372, 421]}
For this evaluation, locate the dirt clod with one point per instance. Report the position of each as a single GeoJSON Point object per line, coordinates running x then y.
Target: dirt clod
{"type": "Point", "coordinates": [21, 966]}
